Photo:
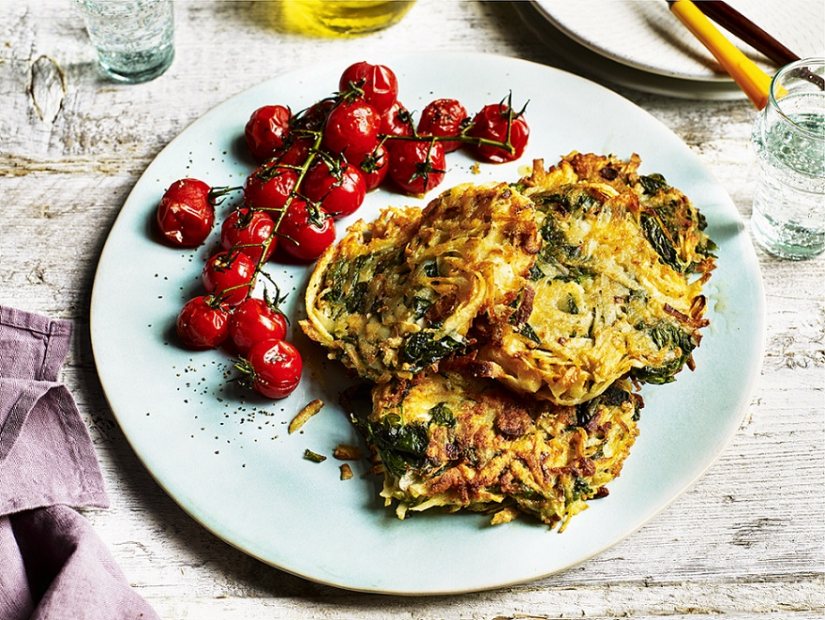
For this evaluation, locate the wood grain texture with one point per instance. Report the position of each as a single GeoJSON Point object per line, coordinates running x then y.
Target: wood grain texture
{"type": "Point", "coordinates": [747, 541]}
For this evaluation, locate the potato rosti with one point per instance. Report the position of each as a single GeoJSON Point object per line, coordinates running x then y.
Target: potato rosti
{"type": "Point", "coordinates": [452, 441]}
{"type": "Point", "coordinates": [504, 326]}
{"type": "Point", "coordinates": [399, 294]}
{"type": "Point", "coordinates": [609, 293]}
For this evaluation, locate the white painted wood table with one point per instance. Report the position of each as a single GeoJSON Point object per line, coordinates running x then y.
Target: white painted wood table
{"type": "Point", "coordinates": [747, 541]}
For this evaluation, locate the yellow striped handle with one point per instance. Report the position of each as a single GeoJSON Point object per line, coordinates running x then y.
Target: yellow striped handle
{"type": "Point", "coordinates": [750, 78]}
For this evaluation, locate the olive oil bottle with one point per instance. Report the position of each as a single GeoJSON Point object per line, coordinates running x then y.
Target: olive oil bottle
{"type": "Point", "coordinates": [340, 18]}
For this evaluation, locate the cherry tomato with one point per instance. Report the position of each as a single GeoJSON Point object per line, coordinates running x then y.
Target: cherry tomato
{"type": "Point", "coordinates": [417, 166]}
{"type": "Point", "coordinates": [185, 215]}
{"type": "Point", "coordinates": [352, 129]}
{"type": "Point", "coordinates": [266, 130]}
{"type": "Point", "coordinates": [306, 231]}
{"type": "Point", "coordinates": [379, 84]}
{"type": "Point", "coordinates": [255, 320]}
{"type": "Point", "coordinates": [396, 121]}
{"type": "Point", "coordinates": [374, 167]}
{"type": "Point", "coordinates": [294, 152]}
{"type": "Point", "coordinates": [443, 117]}
{"type": "Point", "coordinates": [245, 227]}
{"type": "Point", "coordinates": [227, 270]}
{"type": "Point", "coordinates": [314, 117]}
{"type": "Point", "coordinates": [339, 187]}
{"type": "Point", "coordinates": [203, 323]}
{"type": "Point", "coordinates": [491, 123]}
{"type": "Point", "coordinates": [273, 368]}
{"type": "Point", "coordinates": [269, 187]}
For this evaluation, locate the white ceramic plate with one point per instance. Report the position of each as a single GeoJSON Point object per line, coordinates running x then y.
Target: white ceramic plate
{"type": "Point", "coordinates": [645, 35]}
{"type": "Point", "coordinates": [230, 463]}
{"type": "Point", "coordinates": [583, 60]}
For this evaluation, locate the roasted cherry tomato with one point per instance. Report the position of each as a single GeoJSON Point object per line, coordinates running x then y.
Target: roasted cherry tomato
{"type": "Point", "coordinates": [185, 214]}
{"type": "Point", "coordinates": [272, 367]}
{"type": "Point", "coordinates": [314, 117]}
{"type": "Point", "coordinates": [266, 130]}
{"type": "Point", "coordinates": [246, 231]}
{"type": "Point", "coordinates": [377, 82]}
{"type": "Point", "coordinates": [306, 231]}
{"type": "Point", "coordinates": [269, 187]}
{"type": "Point", "coordinates": [417, 166]}
{"type": "Point", "coordinates": [443, 117]}
{"type": "Point", "coordinates": [228, 275]}
{"type": "Point", "coordinates": [294, 152]}
{"type": "Point", "coordinates": [203, 323]}
{"type": "Point", "coordinates": [255, 320]}
{"type": "Point", "coordinates": [338, 186]}
{"type": "Point", "coordinates": [396, 121]}
{"type": "Point", "coordinates": [374, 167]}
{"type": "Point", "coordinates": [352, 130]}
{"type": "Point", "coordinates": [492, 123]}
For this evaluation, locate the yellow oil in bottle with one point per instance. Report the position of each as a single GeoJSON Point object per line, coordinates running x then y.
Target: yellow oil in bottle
{"type": "Point", "coordinates": [340, 18]}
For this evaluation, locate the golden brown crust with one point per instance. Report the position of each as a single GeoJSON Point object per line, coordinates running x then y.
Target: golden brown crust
{"type": "Point", "coordinates": [602, 301]}
{"type": "Point", "coordinates": [397, 295]}
{"type": "Point", "coordinates": [503, 326]}
{"type": "Point", "coordinates": [485, 446]}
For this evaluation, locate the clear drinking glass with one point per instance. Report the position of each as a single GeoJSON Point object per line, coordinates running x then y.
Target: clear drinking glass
{"type": "Point", "coordinates": [134, 39]}
{"type": "Point", "coordinates": [789, 206]}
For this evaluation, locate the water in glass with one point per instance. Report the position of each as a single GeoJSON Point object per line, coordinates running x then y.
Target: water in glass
{"type": "Point", "coordinates": [789, 205]}
{"type": "Point", "coordinates": [134, 39]}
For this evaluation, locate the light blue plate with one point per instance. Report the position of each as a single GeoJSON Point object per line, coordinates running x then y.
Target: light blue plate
{"type": "Point", "coordinates": [230, 463]}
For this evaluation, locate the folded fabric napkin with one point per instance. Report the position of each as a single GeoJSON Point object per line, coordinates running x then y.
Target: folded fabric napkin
{"type": "Point", "coordinates": [52, 564]}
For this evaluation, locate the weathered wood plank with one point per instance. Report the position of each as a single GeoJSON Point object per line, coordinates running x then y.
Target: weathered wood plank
{"type": "Point", "coordinates": [677, 601]}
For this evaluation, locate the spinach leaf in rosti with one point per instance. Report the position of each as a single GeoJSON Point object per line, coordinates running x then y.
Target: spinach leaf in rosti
{"type": "Point", "coordinates": [430, 269]}
{"type": "Point", "coordinates": [573, 199]}
{"type": "Point", "coordinates": [419, 306]}
{"type": "Point", "coordinates": [613, 396]}
{"type": "Point", "coordinates": [535, 273]}
{"type": "Point", "coordinates": [336, 277]}
{"type": "Point", "coordinates": [399, 445]}
{"type": "Point", "coordinates": [581, 490]}
{"type": "Point", "coordinates": [661, 242]}
{"type": "Point", "coordinates": [442, 415]}
{"type": "Point", "coordinates": [422, 349]}
{"type": "Point", "coordinates": [345, 284]}
{"type": "Point", "coordinates": [528, 332]}
{"type": "Point", "coordinates": [356, 299]}
{"type": "Point", "coordinates": [558, 253]}
{"type": "Point", "coordinates": [666, 335]}
{"type": "Point", "coordinates": [653, 183]}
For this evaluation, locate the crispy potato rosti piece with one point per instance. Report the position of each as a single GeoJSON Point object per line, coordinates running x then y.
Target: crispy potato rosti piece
{"type": "Point", "coordinates": [504, 326]}
{"type": "Point", "coordinates": [449, 440]}
{"type": "Point", "coordinates": [665, 213]}
{"type": "Point", "coordinates": [399, 294]}
{"type": "Point", "coordinates": [606, 297]}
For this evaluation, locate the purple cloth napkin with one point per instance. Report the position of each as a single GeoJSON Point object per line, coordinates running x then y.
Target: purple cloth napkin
{"type": "Point", "coordinates": [52, 564]}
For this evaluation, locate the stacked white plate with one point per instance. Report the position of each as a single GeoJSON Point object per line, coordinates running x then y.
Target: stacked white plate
{"type": "Point", "coordinates": [642, 45]}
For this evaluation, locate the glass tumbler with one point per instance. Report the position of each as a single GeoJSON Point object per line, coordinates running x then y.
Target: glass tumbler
{"type": "Point", "coordinates": [789, 206]}
{"type": "Point", "coordinates": [134, 39]}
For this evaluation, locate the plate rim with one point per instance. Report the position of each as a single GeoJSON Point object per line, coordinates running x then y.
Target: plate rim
{"type": "Point", "coordinates": [203, 520]}
{"type": "Point", "coordinates": [713, 78]}
{"type": "Point", "coordinates": [598, 67]}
